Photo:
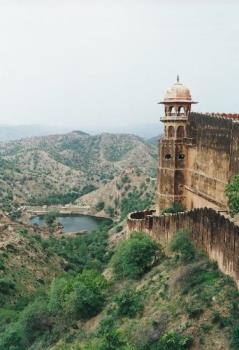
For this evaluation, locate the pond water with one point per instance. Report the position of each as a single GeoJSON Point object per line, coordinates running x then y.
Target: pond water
{"type": "Point", "coordinates": [74, 222]}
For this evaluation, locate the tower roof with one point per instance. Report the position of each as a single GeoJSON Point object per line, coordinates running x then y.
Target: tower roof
{"type": "Point", "coordinates": [178, 93]}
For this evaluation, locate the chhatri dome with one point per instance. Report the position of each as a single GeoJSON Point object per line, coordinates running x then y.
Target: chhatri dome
{"type": "Point", "coordinates": [178, 93]}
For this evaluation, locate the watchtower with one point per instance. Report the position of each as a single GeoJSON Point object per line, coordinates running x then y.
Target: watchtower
{"type": "Point", "coordinates": [172, 147]}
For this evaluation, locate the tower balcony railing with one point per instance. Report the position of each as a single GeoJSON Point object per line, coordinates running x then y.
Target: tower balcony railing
{"type": "Point", "coordinates": [174, 116]}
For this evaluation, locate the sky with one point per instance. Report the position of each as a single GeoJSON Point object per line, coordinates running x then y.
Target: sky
{"type": "Point", "coordinates": [101, 64]}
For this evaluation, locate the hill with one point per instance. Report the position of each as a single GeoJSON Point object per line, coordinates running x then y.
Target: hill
{"type": "Point", "coordinates": [132, 296]}
{"type": "Point", "coordinates": [58, 169]}
{"type": "Point", "coordinates": [15, 132]}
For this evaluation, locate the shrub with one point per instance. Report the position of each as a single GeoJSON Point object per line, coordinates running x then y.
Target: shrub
{"type": "Point", "coordinates": [129, 303]}
{"type": "Point", "coordinates": [194, 311]}
{"type": "Point", "coordinates": [58, 288]}
{"type": "Point", "coordinates": [220, 320]}
{"type": "Point", "coordinates": [35, 320]}
{"type": "Point", "coordinates": [181, 244]}
{"type": "Point", "coordinates": [109, 211]}
{"type": "Point", "coordinates": [12, 339]}
{"type": "Point", "coordinates": [175, 208]}
{"type": "Point", "coordinates": [87, 296]}
{"type": "Point", "coordinates": [100, 206]}
{"type": "Point", "coordinates": [134, 202]}
{"type": "Point", "coordinates": [88, 251]}
{"type": "Point", "coordinates": [110, 337]}
{"type": "Point", "coordinates": [235, 338]}
{"type": "Point", "coordinates": [50, 217]}
{"type": "Point", "coordinates": [135, 256]}
{"type": "Point", "coordinates": [173, 341]}
{"type": "Point", "coordinates": [7, 286]}
{"type": "Point", "coordinates": [232, 193]}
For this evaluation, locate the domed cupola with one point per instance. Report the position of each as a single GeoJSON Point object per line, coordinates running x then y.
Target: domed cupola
{"type": "Point", "coordinates": [177, 100]}
{"type": "Point", "coordinates": [178, 93]}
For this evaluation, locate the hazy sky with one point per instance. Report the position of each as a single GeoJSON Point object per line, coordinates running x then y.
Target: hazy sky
{"type": "Point", "coordinates": [99, 63]}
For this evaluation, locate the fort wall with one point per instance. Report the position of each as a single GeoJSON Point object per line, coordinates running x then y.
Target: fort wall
{"type": "Point", "coordinates": [212, 159]}
{"type": "Point", "coordinates": [210, 231]}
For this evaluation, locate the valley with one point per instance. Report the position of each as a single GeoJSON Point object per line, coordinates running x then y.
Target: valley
{"type": "Point", "coordinates": [76, 168]}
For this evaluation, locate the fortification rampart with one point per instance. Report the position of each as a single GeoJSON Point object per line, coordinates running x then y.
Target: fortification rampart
{"type": "Point", "coordinates": [210, 231]}
{"type": "Point", "coordinates": [212, 159]}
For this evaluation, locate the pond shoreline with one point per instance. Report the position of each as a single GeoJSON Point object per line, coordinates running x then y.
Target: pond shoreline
{"type": "Point", "coordinates": [31, 211]}
{"type": "Point", "coordinates": [69, 223]}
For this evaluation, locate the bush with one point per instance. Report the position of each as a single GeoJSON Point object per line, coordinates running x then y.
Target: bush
{"type": "Point", "coordinates": [181, 244]}
{"type": "Point", "coordinates": [135, 256]}
{"type": "Point", "coordinates": [57, 292]}
{"type": "Point", "coordinates": [87, 295]}
{"type": "Point", "coordinates": [232, 193]}
{"type": "Point", "coordinates": [50, 217]}
{"type": "Point", "coordinates": [175, 208]}
{"type": "Point", "coordinates": [129, 303]}
{"type": "Point", "coordinates": [100, 206]}
{"type": "Point", "coordinates": [235, 338]}
{"type": "Point", "coordinates": [134, 202]}
{"type": "Point", "coordinates": [35, 320]}
{"type": "Point", "coordinates": [88, 251]}
{"type": "Point", "coordinates": [7, 286]}
{"type": "Point", "coordinates": [12, 339]}
{"type": "Point", "coordinates": [174, 341]}
{"type": "Point", "coordinates": [109, 211]}
{"type": "Point", "coordinates": [110, 337]}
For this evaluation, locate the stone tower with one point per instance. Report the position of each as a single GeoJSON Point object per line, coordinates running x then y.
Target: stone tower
{"type": "Point", "coordinates": [172, 146]}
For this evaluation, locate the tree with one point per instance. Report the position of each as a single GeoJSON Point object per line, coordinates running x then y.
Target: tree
{"type": "Point", "coordinates": [100, 206]}
{"type": "Point", "coordinates": [232, 193]}
{"type": "Point", "coordinates": [87, 296]}
{"type": "Point", "coordinates": [129, 303]}
{"type": "Point", "coordinates": [135, 256]}
{"type": "Point", "coordinates": [181, 244]}
{"type": "Point", "coordinates": [50, 217]}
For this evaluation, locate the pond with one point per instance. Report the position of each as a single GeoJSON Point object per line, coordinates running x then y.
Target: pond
{"type": "Point", "coordinates": [74, 222]}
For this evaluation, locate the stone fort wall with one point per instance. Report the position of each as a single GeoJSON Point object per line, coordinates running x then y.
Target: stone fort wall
{"type": "Point", "coordinates": [210, 231]}
{"type": "Point", "coordinates": [212, 159]}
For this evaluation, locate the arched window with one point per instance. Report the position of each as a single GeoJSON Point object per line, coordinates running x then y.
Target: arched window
{"type": "Point", "coordinates": [168, 156]}
{"type": "Point", "coordinates": [181, 156]}
{"type": "Point", "coordinates": [180, 132]}
{"type": "Point", "coordinates": [181, 109]}
{"type": "Point", "coordinates": [171, 131]}
{"type": "Point", "coordinates": [172, 110]}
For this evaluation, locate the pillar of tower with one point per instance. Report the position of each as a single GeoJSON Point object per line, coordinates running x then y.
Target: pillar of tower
{"type": "Point", "coordinates": [172, 147]}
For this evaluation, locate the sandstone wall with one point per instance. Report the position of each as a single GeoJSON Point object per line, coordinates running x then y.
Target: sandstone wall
{"type": "Point", "coordinates": [209, 230]}
{"type": "Point", "coordinates": [212, 158]}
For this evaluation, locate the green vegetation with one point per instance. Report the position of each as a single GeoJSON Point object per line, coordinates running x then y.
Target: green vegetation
{"type": "Point", "coordinates": [232, 192]}
{"type": "Point", "coordinates": [100, 206]}
{"type": "Point", "coordinates": [173, 341]}
{"type": "Point", "coordinates": [135, 202]}
{"type": "Point", "coordinates": [129, 303]}
{"type": "Point", "coordinates": [135, 256]}
{"type": "Point", "coordinates": [81, 252]}
{"type": "Point", "coordinates": [80, 297]}
{"type": "Point", "coordinates": [58, 198]}
{"type": "Point", "coordinates": [181, 244]}
{"type": "Point", "coordinates": [175, 208]}
{"type": "Point", "coordinates": [50, 217]}
{"type": "Point", "coordinates": [131, 297]}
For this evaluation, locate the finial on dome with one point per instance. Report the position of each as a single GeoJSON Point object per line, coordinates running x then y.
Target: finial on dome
{"type": "Point", "coordinates": [178, 78]}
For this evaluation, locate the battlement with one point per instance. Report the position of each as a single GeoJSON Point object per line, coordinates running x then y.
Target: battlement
{"type": "Point", "coordinates": [233, 116]}
{"type": "Point", "coordinates": [210, 231]}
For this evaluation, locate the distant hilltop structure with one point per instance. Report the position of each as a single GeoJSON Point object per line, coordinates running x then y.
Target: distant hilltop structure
{"type": "Point", "coordinates": [198, 155]}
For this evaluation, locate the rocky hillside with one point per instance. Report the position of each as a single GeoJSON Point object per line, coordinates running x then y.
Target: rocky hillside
{"type": "Point", "coordinates": [58, 169]}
